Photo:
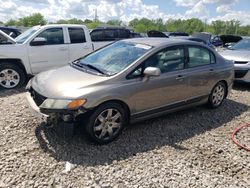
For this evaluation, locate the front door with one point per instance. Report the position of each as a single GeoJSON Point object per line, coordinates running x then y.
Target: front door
{"type": "Point", "coordinates": [54, 53]}
{"type": "Point", "coordinates": [167, 89]}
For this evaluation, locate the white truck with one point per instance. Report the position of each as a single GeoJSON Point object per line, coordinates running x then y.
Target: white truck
{"type": "Point", "coordinates": [41, 48]}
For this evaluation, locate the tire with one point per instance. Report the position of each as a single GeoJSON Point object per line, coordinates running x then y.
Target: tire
{"type": "Point", "coordinates": [217, 95]}
{"type": "Point", "coordinates": [11, 76]}
{"type": "Point", "coordinates": [106, 123]}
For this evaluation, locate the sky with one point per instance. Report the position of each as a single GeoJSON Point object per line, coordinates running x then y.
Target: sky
{"type": "Point", "coordinates": [126, 10]}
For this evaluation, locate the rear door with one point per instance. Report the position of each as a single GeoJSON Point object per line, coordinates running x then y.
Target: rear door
{"type": "Point", "coordinates": [78, 46]}
{"type": "Point", "coordinates": [54, 53]}
{"type": "Point", "coordinates": [201, 71]}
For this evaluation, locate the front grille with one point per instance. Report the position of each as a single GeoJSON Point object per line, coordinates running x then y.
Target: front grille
{"type": "Point", "coordinates": [39, 99]}
{"type": "Point", "coordinates": [240, 73]}
{"type": "Point", "coordinates": [241, 62]}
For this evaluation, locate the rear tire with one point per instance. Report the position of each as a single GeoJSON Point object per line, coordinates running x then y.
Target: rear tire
{"type": "Point", "coordinates": [217, 95]}
{"type": "Point", "coordinates": [106, 123]}
{"type": "Point", "coordinates": [11, 76]}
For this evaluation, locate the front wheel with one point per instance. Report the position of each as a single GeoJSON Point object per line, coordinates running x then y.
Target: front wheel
{"type": "Point", "coordinates": [106, 123]}
{"type": "Point", "coordinates": [11, 76]}
{"type": "Point", "coordinates": [217, 95]}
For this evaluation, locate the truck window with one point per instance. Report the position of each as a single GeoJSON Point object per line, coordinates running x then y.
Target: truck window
{"type": "Point", "coordinates": [53, 36]}
{"type": "Point", "coordinates": [97, 35]}
{"type": "Point", "coordinates": [76, 35]}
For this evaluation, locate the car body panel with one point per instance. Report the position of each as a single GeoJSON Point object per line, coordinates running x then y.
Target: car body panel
{"type": "Point", "coordinates": [241, 59]}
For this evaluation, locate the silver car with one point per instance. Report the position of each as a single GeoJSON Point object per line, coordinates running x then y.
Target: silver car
{"type": "Point", "coordinates": [129, 81]}
{"type": "Point", "coordinates": [240, 54]}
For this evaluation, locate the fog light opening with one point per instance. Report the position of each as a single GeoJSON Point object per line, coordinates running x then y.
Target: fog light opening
{"type": "Point", "coordinates": [67, 118]}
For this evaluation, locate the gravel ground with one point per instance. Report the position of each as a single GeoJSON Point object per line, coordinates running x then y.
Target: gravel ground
{"type": "Point", "coordinates": [191, 148]}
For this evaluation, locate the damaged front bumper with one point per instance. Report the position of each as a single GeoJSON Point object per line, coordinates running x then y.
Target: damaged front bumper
{"type": "Point", "coordinates": [52, 116]}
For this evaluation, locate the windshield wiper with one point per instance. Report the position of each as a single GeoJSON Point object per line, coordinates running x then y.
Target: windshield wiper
{"type": "Point", "coordinates": [94, 68]}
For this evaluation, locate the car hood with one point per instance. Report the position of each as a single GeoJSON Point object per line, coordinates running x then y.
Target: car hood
{"type": "Point", "coordinates": [65, 83]}
{"type": "Point", "coordinates": [4, 35]}
{"type": "Point", "coordinates": [236, 55]}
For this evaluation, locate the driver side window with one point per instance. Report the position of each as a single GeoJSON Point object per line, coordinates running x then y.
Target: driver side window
{"type": "Point", "coordinates": [167, 60]}
{"type": "Point", "coordinates": [53, 36]}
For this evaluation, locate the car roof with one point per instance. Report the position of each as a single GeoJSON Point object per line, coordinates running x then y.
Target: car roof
{"type": "Point", "coordinates": [158, 42]}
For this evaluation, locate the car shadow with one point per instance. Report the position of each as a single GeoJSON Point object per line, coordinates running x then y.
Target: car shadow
{"type": "Point", "coordinates": [241, 86]}
{"type": "Point", "coordinates": [9, 92]}
{"type": "Point", "coordinates": [169, 130]}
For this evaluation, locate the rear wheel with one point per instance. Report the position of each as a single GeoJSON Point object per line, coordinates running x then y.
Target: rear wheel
{"type": "Point", "coordinates": [217, 95]}
{"type": "Point", "coordinates": [11, 76]}
{"type": "Point", "coordinates": [106, 123]}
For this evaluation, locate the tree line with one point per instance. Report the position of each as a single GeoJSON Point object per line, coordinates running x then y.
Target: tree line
{"type": "Point", "coordinates": [143, 25]}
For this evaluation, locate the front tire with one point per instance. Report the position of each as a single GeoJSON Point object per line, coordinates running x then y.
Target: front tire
{"type": "Point", "coordinates": [11, 76]}
{"type": "Point", "coordinates": [106, 123]}
{"type": "Point", "coordinates": [217, 95]}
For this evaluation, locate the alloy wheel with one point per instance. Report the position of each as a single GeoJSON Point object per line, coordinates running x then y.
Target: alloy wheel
{"type": "Point", "coordinates": [218, 95]}
{"type": "Point", "coordinates": [9, 78]}
{"type": "Point", "coordinates": [107, 124]}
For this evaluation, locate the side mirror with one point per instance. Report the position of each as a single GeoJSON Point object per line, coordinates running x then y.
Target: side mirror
{"type": "Point", "coordinates": [38, 41]}
{"type": "Point", "coordinates": [152, 71]}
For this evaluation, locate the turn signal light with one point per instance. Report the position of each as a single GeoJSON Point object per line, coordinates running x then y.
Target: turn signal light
{"type": "Point", "coordinates": [76, 103]}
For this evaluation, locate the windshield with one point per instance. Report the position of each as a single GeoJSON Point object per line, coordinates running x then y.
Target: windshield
{"type": "Point", "coordinates": [243, 44]}
{"type": "Point", "coordinates": [25, 35]}
{"type": "Point", "coordinates": [115, 57]}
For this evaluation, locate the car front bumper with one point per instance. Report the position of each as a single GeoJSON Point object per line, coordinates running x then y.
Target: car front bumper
{"type": "Point", "coordinates": [242, 72]}
{"type": "Point", "coordinates": [35, 110]}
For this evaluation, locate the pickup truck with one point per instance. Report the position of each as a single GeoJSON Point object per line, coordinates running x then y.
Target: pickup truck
{"type": "Point", "coordinates": [41, 48]}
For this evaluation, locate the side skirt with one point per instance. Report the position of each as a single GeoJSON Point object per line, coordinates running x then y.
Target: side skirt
{"type": "Point", "coordinates": [168, 109]}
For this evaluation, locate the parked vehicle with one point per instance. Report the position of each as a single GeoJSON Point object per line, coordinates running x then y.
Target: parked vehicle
{"type": "Point", "coordinates": [154, 33]}
{"type": "Point", "coordinates": [176, 34]}
{"type": "Point", "coordinates": [229, 40]}
{"type": "Point", "coordinates": [240, 54]}
{"type": "Point", "coordinates": [216, 40]}
{"type": "Point", "coordinates": [13, 32]}
{"type": "Point", "coordinates": [200, 40]}
{"type": "Point", "coordinates": [129, 81]}
{"type": "Point", "coordinates": [106, 35]}
{"type": "Point", "coordinates": [41, 48]}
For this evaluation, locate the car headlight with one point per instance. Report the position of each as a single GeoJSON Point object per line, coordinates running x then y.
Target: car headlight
{"type": "Point", "coordinates": [63, 104]}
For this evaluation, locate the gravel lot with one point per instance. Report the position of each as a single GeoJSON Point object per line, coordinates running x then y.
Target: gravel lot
{"type": "Point", "coordinates": [191, 148]}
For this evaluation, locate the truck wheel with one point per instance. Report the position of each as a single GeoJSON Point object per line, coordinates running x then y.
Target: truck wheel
{"type": "Point", "coordinates": [106, 123]}
{"type": "Point", "coordinates": [11, 76]}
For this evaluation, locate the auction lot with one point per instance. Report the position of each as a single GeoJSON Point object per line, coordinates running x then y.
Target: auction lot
{"type": "Point", "coordinates": [191, 148]}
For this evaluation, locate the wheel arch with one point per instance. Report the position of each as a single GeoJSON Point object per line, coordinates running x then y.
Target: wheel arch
{"type": "Point", "coordinates": [17, 62]}
{"type": "Point", "coordinates": [120, 102]}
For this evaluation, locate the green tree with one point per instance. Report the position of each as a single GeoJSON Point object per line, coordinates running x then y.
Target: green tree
{"type": "Point", "coordinates": [11, 22]}
{"type": "Point", "coordinates": [114, 22]}
{"type": "Point", "coordinates": [32, 20]}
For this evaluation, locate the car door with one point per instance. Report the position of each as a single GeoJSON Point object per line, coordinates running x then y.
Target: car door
{"type": "Point", "coordinates": [201, 71]}
{"type": "Point", "coordinates": [167, 89]}
{"type": "Point", "coordinates": [53, 53]}
{"type": "Point", "coordinates": [78, 46]}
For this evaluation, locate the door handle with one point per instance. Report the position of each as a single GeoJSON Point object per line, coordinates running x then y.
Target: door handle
{"type": "Point", "coordinates": [180, 77]}
{"type": "Point", "coordinates": [62, 49]}
{"type": "Point", "coordinates": [85, 47]}
{"type": "Point", "coordinates": [211, 70]}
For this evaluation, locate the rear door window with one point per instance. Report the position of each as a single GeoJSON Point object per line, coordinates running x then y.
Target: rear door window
{"type": "Point", "coordinates": [199, 56]}
{"type": "Point", "coordinates": [110, 34]}
{"type": "Point", "coordinates": [76, 35]}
